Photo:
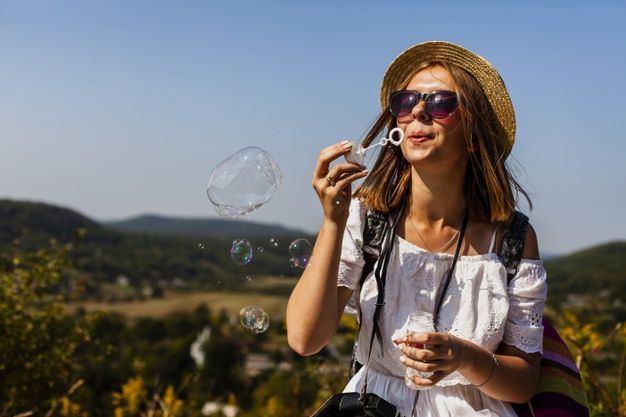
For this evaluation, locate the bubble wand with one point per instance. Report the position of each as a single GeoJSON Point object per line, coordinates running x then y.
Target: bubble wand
{"type": "Point", "coordinates": [357, 154]}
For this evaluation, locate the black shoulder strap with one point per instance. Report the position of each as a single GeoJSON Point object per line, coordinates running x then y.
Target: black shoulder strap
{"type": "Point", "coordinates": [373, 236]}
{"type": "Point", "coordinates": [376, 224]}
{"type": "Point", "coordinates": [512, 245]}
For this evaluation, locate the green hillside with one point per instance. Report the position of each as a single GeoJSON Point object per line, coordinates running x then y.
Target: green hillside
{"type": "Point", "coordinates": [170, 253]}
{"type": "Point", "coordinates": [104, 257]}
{"type": "Point", "coordinates": [599, 271]}
{"type": "Point", "coordinates": [194, 227]}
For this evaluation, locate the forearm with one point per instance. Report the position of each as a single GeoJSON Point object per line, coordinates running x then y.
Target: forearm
{"type": "Point", "coordinates": [312, 310]}
{"type": "Point", "coordinates": [513, 378]}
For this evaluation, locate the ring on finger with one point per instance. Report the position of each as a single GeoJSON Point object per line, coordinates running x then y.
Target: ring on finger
{"type": "Point", "coordinates": [331, 181]}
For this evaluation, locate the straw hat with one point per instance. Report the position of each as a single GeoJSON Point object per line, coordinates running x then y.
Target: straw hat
{"type": "Point", "coordinates": [487, 76]}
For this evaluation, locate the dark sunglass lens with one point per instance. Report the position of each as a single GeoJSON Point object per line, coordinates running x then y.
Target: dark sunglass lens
{"type": "Point", "coordinates": [402, 102]}
{"type": "Point", "coordinates": [441, 104]}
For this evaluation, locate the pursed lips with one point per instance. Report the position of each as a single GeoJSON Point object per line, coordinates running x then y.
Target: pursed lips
{"type": "Point", "coordinates": [419, 137]}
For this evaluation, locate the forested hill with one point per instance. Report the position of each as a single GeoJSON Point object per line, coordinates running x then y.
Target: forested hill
{"type": "Point", "coordinates": [144, 259]}
{"type": "Point", "coordinates": [196, 251]}
{"type": "Point", "coordinates": [42, 221]}
{"type": "Point", "coordinates": [598, 271]}
{"type": "Point", "coordinates": [197, 227]}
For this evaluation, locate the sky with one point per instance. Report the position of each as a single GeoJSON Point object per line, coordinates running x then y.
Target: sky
{"type": "Point", "coordinates": [120, 108]}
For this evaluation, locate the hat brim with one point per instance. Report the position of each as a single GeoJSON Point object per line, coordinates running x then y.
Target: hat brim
{"type": "Point", "coordinates": [482, 70]}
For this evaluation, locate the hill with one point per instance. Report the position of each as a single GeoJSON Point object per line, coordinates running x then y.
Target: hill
{"type": "Point", "coordinates": [198, 227]}
{"type": "Point", "coordinates": [596, 271]}
{"type": "Point", "coordinates": [162, 252]}
{"type": "Point", "coordinates": [107, 258]}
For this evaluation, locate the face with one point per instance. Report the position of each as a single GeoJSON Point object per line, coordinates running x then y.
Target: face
{"type": "Point", "coordinates": [429, 141]}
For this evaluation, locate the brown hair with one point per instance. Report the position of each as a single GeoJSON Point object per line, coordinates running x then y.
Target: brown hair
{"type": "Point", "coordinates": [490, 189]}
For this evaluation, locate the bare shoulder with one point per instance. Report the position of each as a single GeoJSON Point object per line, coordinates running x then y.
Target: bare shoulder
{"type": "Point", "coordinates": [531, 246]}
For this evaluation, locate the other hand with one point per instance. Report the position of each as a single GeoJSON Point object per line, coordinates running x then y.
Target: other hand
{"type": "Point", "coordinates": [440, 353]}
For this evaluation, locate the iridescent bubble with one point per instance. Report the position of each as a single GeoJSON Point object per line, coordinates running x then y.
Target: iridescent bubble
{"type": "Point", "coordinates": [243, 182]}
{"type": "Point", "coordinates": [254, 319]}
{"type": "Point", "coordinates": [260, 249]}
{"type": "Point", "coordinates": [201, 245]}
{"type": "Point", "coordinates": [248, 278]}
{"type": "Point", "coordinates": [274, 242]}
{"type": "Point", "coordinates": [300, 251]}
{"type": "Point", "coordinates": [241, 252]}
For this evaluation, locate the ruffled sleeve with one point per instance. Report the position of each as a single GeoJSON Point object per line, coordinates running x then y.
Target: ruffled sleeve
{"type": "Point", "coordinates": [352, 261]}
{"type": "Point", "coordinates": [527, 293]}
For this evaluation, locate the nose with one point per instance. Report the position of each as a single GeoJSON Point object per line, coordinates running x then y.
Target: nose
{"type": "Point", "coordinates": [419, 111]}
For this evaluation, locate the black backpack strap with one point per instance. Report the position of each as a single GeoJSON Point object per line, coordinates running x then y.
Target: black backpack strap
{"type": "Point", "coordinates": [512, 245]}
{"type": "Point", "coordinates": [376, 224]}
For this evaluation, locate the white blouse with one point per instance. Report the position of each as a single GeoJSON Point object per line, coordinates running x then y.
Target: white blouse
{"type": "Point", "coordinates": [478, 306]}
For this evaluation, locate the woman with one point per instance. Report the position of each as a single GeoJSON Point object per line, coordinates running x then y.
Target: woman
{"type": "Point", "coordinates": [459, 127]}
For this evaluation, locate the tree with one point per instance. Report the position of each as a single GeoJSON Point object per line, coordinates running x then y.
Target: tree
{"type": "Point", "coordinates": [38, 363]}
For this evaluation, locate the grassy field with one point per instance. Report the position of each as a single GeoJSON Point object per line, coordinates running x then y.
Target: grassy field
{"type": "Point", "coordinates": [232, 302]}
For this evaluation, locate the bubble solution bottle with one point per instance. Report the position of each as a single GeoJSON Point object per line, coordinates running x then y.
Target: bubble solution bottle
{"type": "Point", "coordinates": [417, 322]}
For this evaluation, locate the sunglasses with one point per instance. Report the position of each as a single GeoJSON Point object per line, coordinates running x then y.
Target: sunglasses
{"type": "Point", "coordinates": [438, 105]}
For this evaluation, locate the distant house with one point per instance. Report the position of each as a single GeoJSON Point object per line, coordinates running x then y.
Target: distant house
{"type": "Point", "coordinates": [211, 408]}
{"type": "Point", "coordinates": [257, 363]}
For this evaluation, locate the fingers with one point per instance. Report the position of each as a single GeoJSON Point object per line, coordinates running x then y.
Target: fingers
{"type": "Point", "coordinates": [339, 177]}
{"type": "Point", "coordinates": [428, 338]}
{"type": "Point", "coordinates": [339, 170]}
{"type": "Point", "coordinates": [348, 179]}
{"type": "Point", "coordinates": [420, 354]}
{"type": "Point", "coordinates": [430, 381]}
{"type": "Point", "coordinates": [420, 365]}
{"type": "Point", "coordinates": [328, 155]}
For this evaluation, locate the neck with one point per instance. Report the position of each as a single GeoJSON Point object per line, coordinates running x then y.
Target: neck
{"type": "Point", "coordinates": [437, 200]}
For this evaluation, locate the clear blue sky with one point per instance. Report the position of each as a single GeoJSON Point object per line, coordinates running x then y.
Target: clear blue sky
{"type": "Point", "coordinates": [119, 108]}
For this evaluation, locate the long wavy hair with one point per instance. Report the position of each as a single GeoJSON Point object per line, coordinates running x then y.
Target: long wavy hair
{"type": "Point", "coordinates": [490, 189]}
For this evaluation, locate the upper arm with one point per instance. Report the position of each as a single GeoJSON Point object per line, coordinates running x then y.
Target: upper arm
{"type": "Point", "coordinates": [343, 296]}
{"type": "Point", "coordinates": [533, 359]}
{"type": "Point", "coordinates": [531, 247]}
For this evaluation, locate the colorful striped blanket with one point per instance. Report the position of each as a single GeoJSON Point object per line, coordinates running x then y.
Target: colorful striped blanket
{"type": "Point", "coordinates": [561, 392]}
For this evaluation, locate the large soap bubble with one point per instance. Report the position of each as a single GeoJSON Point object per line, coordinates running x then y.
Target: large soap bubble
{"type": "Point", "coordinates": [243, 182]}
{"type": "Point", "coordinates": [254, 319]}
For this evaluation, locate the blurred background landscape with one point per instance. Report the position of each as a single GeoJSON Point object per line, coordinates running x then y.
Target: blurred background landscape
{"type": "Point", "coordinates": [118, 293]}
{"type": "Point", "coordinates": [141, 317]}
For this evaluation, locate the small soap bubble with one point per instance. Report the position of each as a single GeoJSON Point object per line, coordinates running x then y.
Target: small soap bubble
{"type": "Point", "coordinates": [260, 249]}
{"type": "Point", "coordinates": [274, 242]}
{"type": "Point", "coordinates": [201, 245]}
{"type": "Point", "coordinates": [248, 278]}
{"type": "Point", "coordinates": [300, 251]}
{"type": "Point", "coordinates": [241, 252]}
{"type": "Point", "coordinates": [254, 319]}
{"type": "Point", "coordinates": [243, 182]}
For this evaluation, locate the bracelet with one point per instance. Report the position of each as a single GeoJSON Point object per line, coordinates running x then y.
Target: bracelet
{"type": "Point", "coordinates": [496, 363]}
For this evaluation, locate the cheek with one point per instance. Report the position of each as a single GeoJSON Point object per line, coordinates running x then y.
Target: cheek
{"type": "Point", "coordinates": [453, 131]}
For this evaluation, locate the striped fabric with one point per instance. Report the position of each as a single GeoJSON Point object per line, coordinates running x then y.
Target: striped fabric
{"type": "Point", "coordinates": [561, 392]}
